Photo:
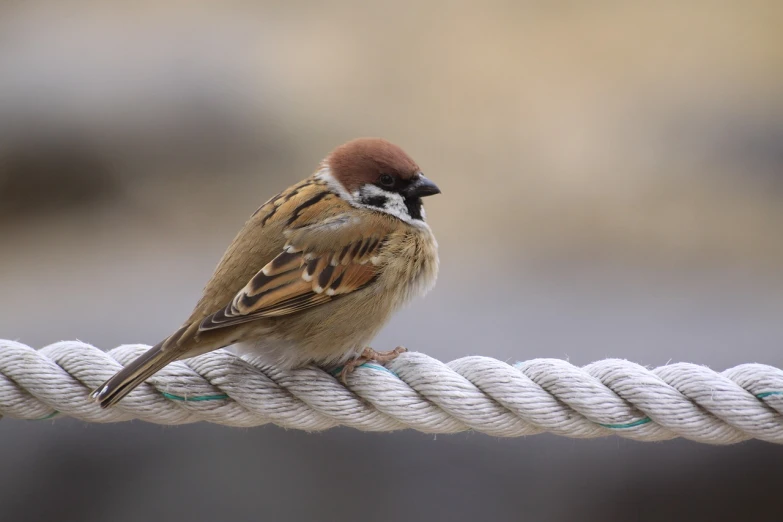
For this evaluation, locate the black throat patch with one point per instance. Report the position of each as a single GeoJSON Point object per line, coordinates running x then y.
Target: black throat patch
{"type": "Point", "coordinates": [414, 207]}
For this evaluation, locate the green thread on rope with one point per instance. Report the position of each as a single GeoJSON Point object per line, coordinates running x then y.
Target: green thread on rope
{"type": "Point", "coordinates": [382, 368]}
{"type": "Point", "coordinates": [50, 416]}
{"type": "Point", "coordinates": [336, 371]}
{"type": "Point", "coordinates": [629, 425]}
{"type": "Point", "coordinates": [767, 394]}
{"type": "Point", "coordinates": [199, 398]}
{"type": "Point", "coordinates": [633, 424]}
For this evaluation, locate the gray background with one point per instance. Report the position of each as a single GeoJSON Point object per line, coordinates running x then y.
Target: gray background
{"type": "Point", "coordinates": [612, 187]}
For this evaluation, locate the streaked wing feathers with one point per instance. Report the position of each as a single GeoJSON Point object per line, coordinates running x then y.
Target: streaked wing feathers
{"type": "Point", "coordinates": [319, 263]}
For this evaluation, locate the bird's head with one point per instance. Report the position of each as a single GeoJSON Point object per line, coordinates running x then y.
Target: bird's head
{"type": "Point", "coordinates": [376, 174]}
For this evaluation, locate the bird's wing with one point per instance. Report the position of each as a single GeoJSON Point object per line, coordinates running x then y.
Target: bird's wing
{"type": "Point", "coordinates": [322, 260]}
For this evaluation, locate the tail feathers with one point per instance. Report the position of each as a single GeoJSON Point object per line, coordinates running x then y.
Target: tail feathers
{"type": "Point", "coordinates": [124, 381]}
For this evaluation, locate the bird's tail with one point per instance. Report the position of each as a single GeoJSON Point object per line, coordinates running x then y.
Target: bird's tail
{"type": "Point", "coordinates": [127, 379]}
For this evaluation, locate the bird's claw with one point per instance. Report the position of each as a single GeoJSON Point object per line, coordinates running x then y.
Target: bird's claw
{"type": "Point", "coordinates": [368, 354]}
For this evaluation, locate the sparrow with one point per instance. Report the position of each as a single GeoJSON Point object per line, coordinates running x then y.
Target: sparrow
{"type": "Point", "coordinates": [314, 273]}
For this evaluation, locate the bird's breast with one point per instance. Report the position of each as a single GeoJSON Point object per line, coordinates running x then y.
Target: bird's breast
{"type": "Point", "coordinates": [411, 263]}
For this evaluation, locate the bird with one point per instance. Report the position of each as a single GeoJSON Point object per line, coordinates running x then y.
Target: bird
{"type": "Point", "coordinates": [314, 273]}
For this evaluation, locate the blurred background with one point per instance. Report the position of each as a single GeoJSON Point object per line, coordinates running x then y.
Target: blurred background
{"type": "Point", "coordinates": [612, 179]}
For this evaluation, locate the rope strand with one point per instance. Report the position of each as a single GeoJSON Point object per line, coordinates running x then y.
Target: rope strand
{"type": "Point", "coordinates": [608, 397]}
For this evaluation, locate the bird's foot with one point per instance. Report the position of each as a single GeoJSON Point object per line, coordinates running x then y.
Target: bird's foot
{"type": "Point", "coordinates": [368, 354]}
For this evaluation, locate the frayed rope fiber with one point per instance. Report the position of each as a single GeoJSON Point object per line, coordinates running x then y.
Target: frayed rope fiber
{"type": "Point", "coordinates": [608, 397]}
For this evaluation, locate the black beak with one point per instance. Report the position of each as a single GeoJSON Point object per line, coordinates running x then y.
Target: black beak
{"type": "Point", "coordinates": [420, 188]}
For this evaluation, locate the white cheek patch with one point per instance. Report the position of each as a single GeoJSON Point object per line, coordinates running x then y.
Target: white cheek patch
{"type": "Point", "coordinates": [394, 204]}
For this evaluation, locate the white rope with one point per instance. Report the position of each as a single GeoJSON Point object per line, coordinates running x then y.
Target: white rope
{"type": "Point", "coordinates": [609, 397]}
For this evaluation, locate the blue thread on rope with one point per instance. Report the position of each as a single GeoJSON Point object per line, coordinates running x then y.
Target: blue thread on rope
{"type": "Point", "coordinates": [55, 413]}
{"type": "Point", "coordinates": [769, 393]}
{"type": "Point", "coordinates": [198, 398]}
{"type": "Point", "coordinates": [628, 425]}
{"type": "Point", "coordinates": [337, 370]}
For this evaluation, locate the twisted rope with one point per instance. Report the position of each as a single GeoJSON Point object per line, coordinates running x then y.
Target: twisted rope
{"type": "Point", "coordinates": [609, 397]}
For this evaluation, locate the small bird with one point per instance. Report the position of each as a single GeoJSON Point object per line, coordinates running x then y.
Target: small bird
{"type": "Point", "coordinates": [315, 272]}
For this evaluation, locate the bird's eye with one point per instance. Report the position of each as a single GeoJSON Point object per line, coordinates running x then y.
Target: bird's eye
{"type": "Point", "coordinates": [387, 180]}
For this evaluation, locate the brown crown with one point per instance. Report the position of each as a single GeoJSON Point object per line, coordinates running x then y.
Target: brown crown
{"type": "Point", "coordinates": [364, 160]}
